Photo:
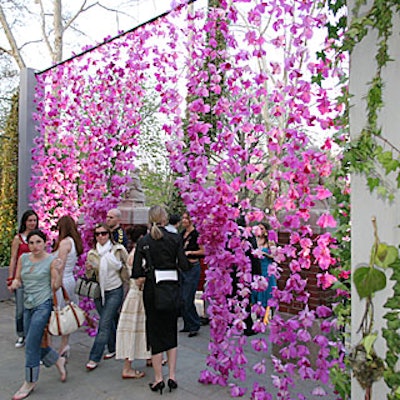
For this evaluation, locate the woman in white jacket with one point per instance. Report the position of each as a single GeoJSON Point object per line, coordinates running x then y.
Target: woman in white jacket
{"type": "Point", "coordinates": [107, 261]}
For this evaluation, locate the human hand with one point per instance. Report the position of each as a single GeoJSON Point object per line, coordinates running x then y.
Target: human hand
{"type": "Point", "coordinates": [15, 284]}
{"type": "Point", "coordinates": [140, 283]}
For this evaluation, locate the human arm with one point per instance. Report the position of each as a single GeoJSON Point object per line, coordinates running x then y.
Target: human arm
{"type": "Point", "coordinates": [63, 251]}
{"type": "Point", "coordinates": [195, 253]}
{"type": "Point", "coordinates": [56, 273]}
{"type": "Point", "coordinates": [16, 282]}
{"type": "Point", "coordinates": [138, 270]}
{"type": "Point", "coordinates": [92, 263]}
{"type": "Point", "coordinates": [122, 255]}
{"type": "Point", "coordinates": [13, 259]}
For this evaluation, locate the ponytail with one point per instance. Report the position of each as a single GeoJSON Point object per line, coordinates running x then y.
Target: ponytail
{"type": "Point", "coordinates": [155, 232]}
{"type": "Point", "coordinates": [157, 217]}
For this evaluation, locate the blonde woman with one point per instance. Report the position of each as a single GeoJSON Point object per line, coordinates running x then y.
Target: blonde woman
{"type": "Point", "coordinates": [160, 250]}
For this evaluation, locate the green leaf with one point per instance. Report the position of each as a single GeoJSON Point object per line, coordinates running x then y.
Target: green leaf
{"type": "Point", "coordinates": [368, 342]}
{"type": "Point", "coordinates": [385, 255]}
{"type": "Point", "coordinates": [373, 183]}
{"type": "Point", "coordinates": [368, 280]}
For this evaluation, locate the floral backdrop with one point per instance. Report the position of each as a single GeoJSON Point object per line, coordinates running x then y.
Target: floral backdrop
{"type": "Point", "coordinates": [247, 94]}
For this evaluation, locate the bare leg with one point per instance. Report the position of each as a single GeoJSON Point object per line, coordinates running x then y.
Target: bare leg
{"type": "Point", "coordinates": [128, 372]}
{"type": "Point", "coordinates": [64, 347]}
{"type": "Point", "coordinates": [60, 364]}
{"type": "Point", "coordinates": [127, 366]}
{"type": "Point", "coordinates": [172, 356]}
{"type": "Point", "coordinates": [156, 360]}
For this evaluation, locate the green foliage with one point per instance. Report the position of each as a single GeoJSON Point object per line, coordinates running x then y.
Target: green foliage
{"type": "Point", "coordinates": [375, 157]}
{"type": "Point", "coordinates": [8, 183]}
{"type": "Point", "coordinates": [368, 280]}
{"type": "Point", "coordinates": [370, 149]}
{"type": "Point", "coordinates": [392, 335]}
{"type": "Point", "coordinates": [154, 170]}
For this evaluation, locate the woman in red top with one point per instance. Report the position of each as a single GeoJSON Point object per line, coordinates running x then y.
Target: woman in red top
{"type": "Point", "coordinates": [19, 245]}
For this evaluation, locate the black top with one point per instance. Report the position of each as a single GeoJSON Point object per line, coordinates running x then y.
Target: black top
{"type": "Point", "coordinates": [255, 261]}
{"type": "Point", "coordinates": [166, 253]}
{"type": "Point", "coordinates": [190, 242]}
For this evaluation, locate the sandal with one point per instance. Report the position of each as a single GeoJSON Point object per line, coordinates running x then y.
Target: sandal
{"type": "Point", "coordinates": [133, 374]}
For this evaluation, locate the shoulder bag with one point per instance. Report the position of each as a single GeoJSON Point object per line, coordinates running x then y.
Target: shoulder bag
{"type": "Point", "coordinates": [66, 320]}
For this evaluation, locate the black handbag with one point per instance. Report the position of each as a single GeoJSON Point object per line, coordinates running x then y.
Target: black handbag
{"type": "Point", "coordinates": [88, 288]}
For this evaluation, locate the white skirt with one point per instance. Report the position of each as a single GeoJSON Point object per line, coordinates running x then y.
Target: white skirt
{"type": "Point", "coordinates": [131, 331]}
{"type": "Point", "coordinates": [69, 284]}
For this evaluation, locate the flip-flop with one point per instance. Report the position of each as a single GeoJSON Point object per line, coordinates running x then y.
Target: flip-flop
{"type": "Point", "coordinates": [137, 375]}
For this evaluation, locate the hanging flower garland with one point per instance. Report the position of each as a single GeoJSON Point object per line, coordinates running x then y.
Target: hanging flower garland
{"type": "Point", "coordinates": [293, 178]}
{"type": "Point", "coordinates": [261, 96]}
{"type": "Point", "coordinates": [88, 132]}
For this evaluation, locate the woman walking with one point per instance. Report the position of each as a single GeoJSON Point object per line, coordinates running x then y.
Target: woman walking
{"type": "Point", "coordinates": [163, 251]}
{"type": "Point", "coordinates": [106, 262]}
{"type": "Point", "coordinates": [68, 247]}
{"type": "Point", "coordinates": [40, 273]}
{"type": "Point", "coordinates": [19, 246]}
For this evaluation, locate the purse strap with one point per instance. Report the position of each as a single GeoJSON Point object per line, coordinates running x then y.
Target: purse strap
{"type": "Point", "coordinates": [65, 295]}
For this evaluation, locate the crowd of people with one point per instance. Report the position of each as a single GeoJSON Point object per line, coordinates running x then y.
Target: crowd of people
{"type": "Point", "coordinates": [165, 255]}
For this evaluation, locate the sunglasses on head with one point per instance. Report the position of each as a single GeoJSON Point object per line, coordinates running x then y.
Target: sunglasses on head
{"type": "Point", "coordinates": [102, 233]}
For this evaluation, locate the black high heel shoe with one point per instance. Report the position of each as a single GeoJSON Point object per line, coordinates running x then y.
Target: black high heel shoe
{"type": "Point", "coordinates": [172, 384]}
{"type": "Point", "coordinates": [159, 386]}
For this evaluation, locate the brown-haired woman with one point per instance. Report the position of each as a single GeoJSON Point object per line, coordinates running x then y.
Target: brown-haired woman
{"type": "Point", "coordinates": [106, 261]}
{"type": "Point", "coordinates": [19, 246]}
{"type": "Point", "coordinates": [68, 247]}
{"type": "Point", "coordinates": [164, 251]}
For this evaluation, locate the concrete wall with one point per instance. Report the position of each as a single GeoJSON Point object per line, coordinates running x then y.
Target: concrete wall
{"type": "Point", "coordinates": [26, 134]}
{"type": "Point", "coordinates": [364, 205]}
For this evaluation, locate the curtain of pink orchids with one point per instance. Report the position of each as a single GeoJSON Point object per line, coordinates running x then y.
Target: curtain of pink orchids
{"type": "Point", "coordinates": [89, 113]}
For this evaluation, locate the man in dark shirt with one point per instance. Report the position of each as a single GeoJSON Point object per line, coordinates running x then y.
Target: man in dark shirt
{"type": "Point", "coordinates": [113, 220]}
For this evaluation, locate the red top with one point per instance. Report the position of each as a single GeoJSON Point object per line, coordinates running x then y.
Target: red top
{"type": "Point", "coordinates": [23, 247]}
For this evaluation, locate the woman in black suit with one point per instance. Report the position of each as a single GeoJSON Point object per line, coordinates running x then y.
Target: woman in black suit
{"type": "Point", "coordinates": [161, 250]}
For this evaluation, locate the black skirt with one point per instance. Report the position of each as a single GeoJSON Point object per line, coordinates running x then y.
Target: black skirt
{"type": "Point", "coordinates": [161, 326]}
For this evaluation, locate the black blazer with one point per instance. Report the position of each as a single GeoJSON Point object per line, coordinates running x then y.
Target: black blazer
{"type": "Point", "coordinates": [165, 253]}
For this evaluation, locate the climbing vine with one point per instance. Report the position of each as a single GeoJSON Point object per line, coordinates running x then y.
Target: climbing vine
{"type": "Point", "coordinates": [370, 153]}
{"type": "Point", "coordinates": [9, 183]}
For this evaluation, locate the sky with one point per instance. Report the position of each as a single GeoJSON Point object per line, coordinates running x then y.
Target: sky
{"type": "Point", "coordinates": [94, 25]}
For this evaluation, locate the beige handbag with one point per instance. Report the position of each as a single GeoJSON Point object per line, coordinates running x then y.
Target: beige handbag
{"type": "Point", "coordinates": [66, 320]}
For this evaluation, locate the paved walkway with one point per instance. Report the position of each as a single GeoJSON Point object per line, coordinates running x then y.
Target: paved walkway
{"type": "Point", "coordinates": [105, 382]}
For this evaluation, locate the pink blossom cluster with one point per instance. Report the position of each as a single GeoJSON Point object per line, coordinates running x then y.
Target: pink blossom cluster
{"type": "Point", "coordinates": [239, 126]}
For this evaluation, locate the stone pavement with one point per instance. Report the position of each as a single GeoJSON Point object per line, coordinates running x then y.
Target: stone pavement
{"type": "Point", "coordinates": [105, 382]}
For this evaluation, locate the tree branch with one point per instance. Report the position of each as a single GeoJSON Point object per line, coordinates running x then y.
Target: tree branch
{"type": "Point", "coordinates": [15, 53]}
